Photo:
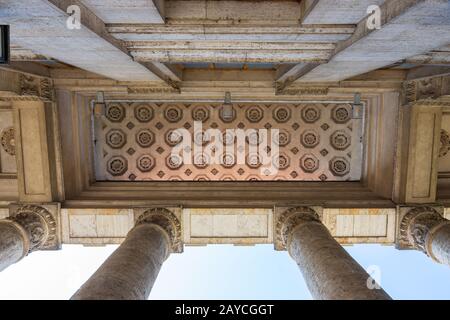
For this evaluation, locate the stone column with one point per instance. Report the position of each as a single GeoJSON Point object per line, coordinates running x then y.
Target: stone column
{"type": "Point", "coordinates": [329, 271]}
{"type": "Point", "coordinates": [29, 229]}
{"type": "Point", "coordinates": [130, 272]}
{"type": "Point", "coordinates": [425, 229]}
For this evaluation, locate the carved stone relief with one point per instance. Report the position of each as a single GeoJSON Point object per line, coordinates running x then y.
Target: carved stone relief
{"type": "Point", "coordinates": [316, 142]}
{"type": "Point", "coordinates": [7, 143]}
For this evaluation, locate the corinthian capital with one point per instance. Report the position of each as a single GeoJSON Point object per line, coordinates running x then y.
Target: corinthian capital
{"type": "Point", "coordinates": [290, 219]}
{"type": "Point", "coordinates": [38, 224]}
{"type": "Point", "coordinates": [418, 225]}
{"type": "Point", "coordinates": [167, 220]}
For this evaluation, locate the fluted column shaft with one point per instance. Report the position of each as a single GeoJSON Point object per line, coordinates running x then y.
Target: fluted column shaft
{"type": "Point", "coordinates": [428, 231]}
{"type": "Point", "coordinates": [329, 271]}
{"type": "Point", "coordinates": [14, 243]}
{"type": "Point", "coordinates": [130, 272]}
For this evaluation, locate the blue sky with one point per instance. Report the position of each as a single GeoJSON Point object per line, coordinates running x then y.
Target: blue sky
{"type": "Point", "coordinates": [222, 272]}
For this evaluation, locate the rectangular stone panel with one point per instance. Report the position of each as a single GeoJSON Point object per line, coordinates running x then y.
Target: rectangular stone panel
{"type": "Point", "coordinates": [32, 151]}
{"type": "Point", "coordinates": [98, 223]}
{"type": "Point", "coordinates": [233, 226]}
{"type": "Point", "coordinates": [369, 225]}
{"type": "Point", "coordinates": [424, 147]}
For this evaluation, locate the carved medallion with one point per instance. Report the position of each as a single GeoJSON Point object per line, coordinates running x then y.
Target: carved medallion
{"type": "Point", "coordinates": [254, 114]}
{"type": "Point", "coordinates": [115, 112]}
{"type": "Point", "coordinates": [310, 114]}
{"type": "Point", "coordinates": [201, 160]}
{"type": "Point", "coordinates": [117, 166]}
{"type": "Point", "coordinates": [445, 143]}
{"type": "Point", "coordinates": [228, 160]}
{"type": "Point", "coordinates": [309, 138]}
{"type": "Point", "coordinates": [309, 163]}
{"type": "Point", "coordinates": [281, 114]}
{"type": "Point", "coordinates": [283, 161]}
{"type": "Point", "coordinates": [8, 142]}
{"type": "Point", "coordinates": [145, 138]}
{"type": "Point", "coordinates": [340, 140]}
{"type": "Point", "coordinates": [253, 138]}
{"type": "Point", "coordinates": [228, 137]}
{"type": "Point", "coordinates": [172, 137]}
{"type": "Point", "coordinates": [341, 113]}
{"type": "Point", "coordinates": [174, 161]}
{"type": "Point", "coordinates": [253, 160]}
{"type": "Point", "coordinates": [143, 113]}
{"type": "Point", "coordinates": [116, 138]}
{"type": "Point", "coordinates": [284, 138]}
{"type": "Point", "coordinates": [339, 166]}
{"type": "Point", "coordinates": [200, 113]}
{"type": "Point", "coordinates": [173, 113]}
{"type": "Point", "coordinates": [145, 163]}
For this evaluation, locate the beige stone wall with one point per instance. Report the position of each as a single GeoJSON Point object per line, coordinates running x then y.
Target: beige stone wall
{"type": "Point", "coordinates": [239, 226]}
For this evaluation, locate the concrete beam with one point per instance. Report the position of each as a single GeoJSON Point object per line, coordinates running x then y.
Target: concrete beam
{"type": "Point", "coordinates": [127, 11]}
{"type": "Point", "coordinates": [199, 31]}
{"type": "Point", "coordinates": [336, 11]}
{"type": "Point", "coordinates": [434, 57]}
{"type": "Point", "coordinates": [40, 26]}
{"type": "Point", "coordinates": [285, 79]}
{"type": "Point", "coordinates": [427, 71]}
{"type": "Point", "coordinates": [264, 11]}
{"type": "Point", "coordinates": [229, 56]}
{"type": "Point", "coordinates": [409, 27]}
{"type": "Point", "coordinates": [306, 7]}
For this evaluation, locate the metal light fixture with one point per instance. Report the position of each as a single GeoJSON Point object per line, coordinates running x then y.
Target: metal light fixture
{"type": "Point", "coordinates": [227, 110]}
{"type": "Point", "coordinates": [4, 44]}
{"type": "Point", "coordinates": [357, 107]}
{"type": "Point", "coordinates": [99, 104]}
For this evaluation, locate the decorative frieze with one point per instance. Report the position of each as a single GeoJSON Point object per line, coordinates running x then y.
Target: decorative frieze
{"type": "Point", "coordinates": [7, 140]}
{"type": "Point", "coordinates": [152, 90]}
{"type": "Point", "coordinates": [445, 143]}
{"type": "Point", "coordinates": [305, 91]}
{"type": "Point", "coordinates": [36, 87]}
{"type": "Point", "coordinates": [423, 89]}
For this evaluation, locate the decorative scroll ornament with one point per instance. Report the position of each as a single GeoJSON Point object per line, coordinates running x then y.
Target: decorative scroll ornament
{"type": "Point", "coordinates": [416, 225]}
{"type": "Point", "coordinates": [445, 143]}
{"type": "Point", "coordinates": [292, 218]}
{"type": "Point", "coordinates": [39, 225]}
{"type": "Point", "coordinates": [167, 220]}
{"type": "Point", "coordinates": [7, 141]}
{"type": "Point", "coordinates": [36, 87]}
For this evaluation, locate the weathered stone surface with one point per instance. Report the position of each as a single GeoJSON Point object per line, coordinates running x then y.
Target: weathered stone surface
{"type": "Point", "coordinates": [409, 28]}
{"type": "Point", "coordinates": [130, 272]}
{"type": "Point", "coordinates": [425, 229]}
{"type": "Point", "coordinates": [329, 271]}
{"type": "Point", "coordinates": [42, 27]}
{"type": "Point", "coordinates": [12, 244]}
{"type": "Point", "coordinates": [440, 245]}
